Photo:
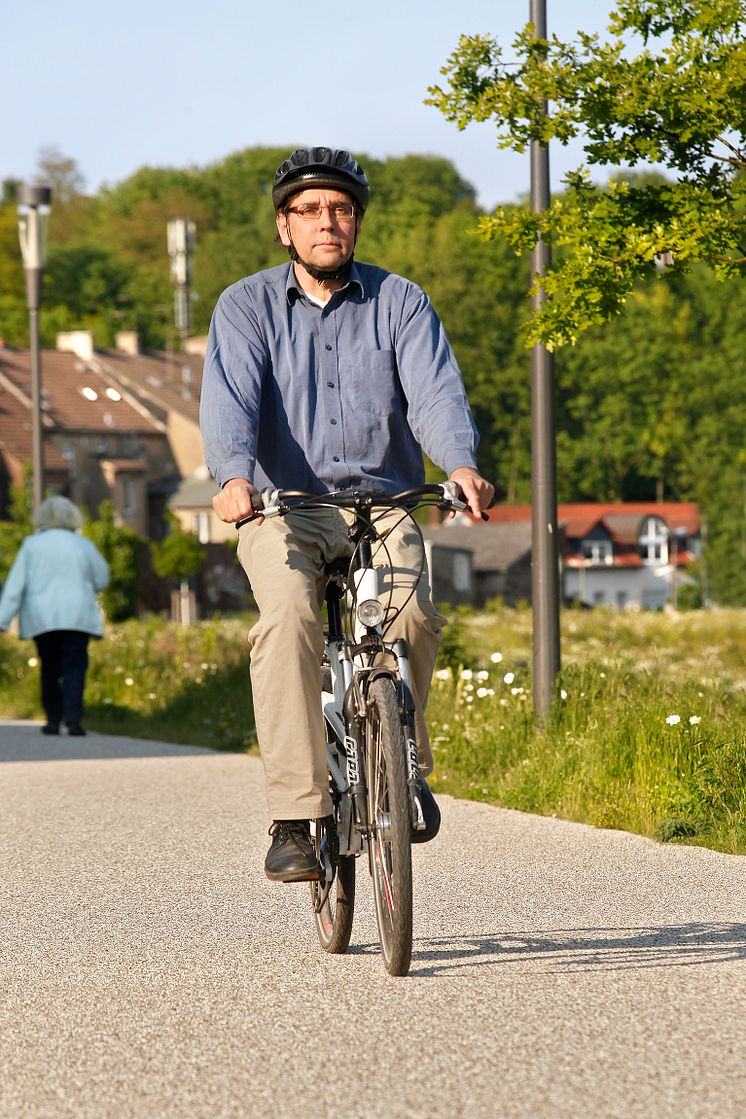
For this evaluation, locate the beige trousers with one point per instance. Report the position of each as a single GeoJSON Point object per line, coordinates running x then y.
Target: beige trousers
{"type": "Point", "coordinates": [284, 560]}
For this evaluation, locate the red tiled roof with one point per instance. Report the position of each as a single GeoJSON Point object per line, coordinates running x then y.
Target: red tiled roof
{"type": "Point", "coordinates": [169, 381]}
{"type": "Point", "coordinates": [64, 376]}
{"type": "Point", "coordinates": [15, 436]}
{"type": "Point", "coordinates": [578, 518]}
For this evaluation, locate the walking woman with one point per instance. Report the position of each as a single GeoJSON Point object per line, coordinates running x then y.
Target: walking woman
{"type": "Point", "coordinates": [52, 587]}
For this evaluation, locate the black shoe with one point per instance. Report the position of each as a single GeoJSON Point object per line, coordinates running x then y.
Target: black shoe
{"type": "Point", "coordinates": [76, 729]}
{"type": "Point", "coordinates": [431, 812]}
{"type": "Point", "coordinates": [51, 728]}
{"type": "Point", "coordinates": [291, 857]}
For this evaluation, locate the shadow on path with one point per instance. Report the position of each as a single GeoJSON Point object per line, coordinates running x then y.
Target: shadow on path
{"type": "Point", "coordinates": [594, 949]}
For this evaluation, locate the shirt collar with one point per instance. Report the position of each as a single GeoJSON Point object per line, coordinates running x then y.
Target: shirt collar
{"type": "Point", "coordinates": [293, 290]}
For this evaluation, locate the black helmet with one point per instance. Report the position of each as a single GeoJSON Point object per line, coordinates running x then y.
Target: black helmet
{"type": "Point", "coordinates": [321, 167]}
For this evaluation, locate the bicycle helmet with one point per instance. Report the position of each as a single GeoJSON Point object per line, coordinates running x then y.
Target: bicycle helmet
{"type": "Point", "coordinates": [321, 167]}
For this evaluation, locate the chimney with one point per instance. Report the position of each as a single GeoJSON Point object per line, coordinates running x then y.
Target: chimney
{"type": "Point", "coordinates": [78, 342]}
{"type": "Point", "coordinates": [128, 342]}
{"type": "Point", "coordinates": [196, 345]}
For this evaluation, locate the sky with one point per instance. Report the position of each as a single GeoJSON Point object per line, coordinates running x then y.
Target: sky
{"type": "Point", "coordinates": [120, 86]}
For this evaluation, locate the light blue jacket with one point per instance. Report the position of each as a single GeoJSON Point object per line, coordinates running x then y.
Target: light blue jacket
{"type": "Point", "coordinates": [53, 583]}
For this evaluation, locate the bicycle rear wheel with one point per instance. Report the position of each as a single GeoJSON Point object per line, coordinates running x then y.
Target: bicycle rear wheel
{"type": "Point", "coordinates": [388, 816]}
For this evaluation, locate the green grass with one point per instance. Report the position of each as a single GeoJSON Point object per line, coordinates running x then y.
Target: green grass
{"type": "Point", "coordinates": [612, 754]}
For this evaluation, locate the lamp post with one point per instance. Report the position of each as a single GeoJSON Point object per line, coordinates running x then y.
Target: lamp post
{"type": "Point", "coordinates": [181, 241]}
{"type": "Point", "coordinates": [33, 217]}
{"type": "Point", "coordinates": [677, 538]}
{"type": "Point", "coordinates": [544, 545]}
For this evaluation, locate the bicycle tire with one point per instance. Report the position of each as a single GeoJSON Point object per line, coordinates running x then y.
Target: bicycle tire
{"type": "Point", "coordinates": [390, 827]}
{"type": "Point", "coordinates": [334, 920]}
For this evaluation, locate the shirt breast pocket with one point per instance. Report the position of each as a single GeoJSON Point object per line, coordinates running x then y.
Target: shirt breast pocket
{"type": "Point", "coordinates": [370, 382]}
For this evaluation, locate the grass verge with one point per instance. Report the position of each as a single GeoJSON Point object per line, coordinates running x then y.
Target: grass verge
{"type": "Point", "coordinates": [648, 733]}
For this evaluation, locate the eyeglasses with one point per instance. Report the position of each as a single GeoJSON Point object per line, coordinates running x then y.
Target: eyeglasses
{"type": "Point", "coordinates": [341, 212]}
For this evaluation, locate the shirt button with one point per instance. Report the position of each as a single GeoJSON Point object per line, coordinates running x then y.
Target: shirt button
{"type": "Point", "coordinates": [328, 346]}
{"type": "Point", "coordinates": [334, 421]}
{"type": "Point", "coordinates": [330, 384]}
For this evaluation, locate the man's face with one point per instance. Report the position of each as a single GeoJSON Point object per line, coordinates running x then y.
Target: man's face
{"type": "Point", "coordinates": [326, 241]}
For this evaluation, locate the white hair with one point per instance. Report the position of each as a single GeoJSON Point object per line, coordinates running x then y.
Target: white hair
{"type": "Point", "coordinates": [58, 512]}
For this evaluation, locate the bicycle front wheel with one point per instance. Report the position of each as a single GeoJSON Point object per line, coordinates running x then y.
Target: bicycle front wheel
{"type": "Point", "coordinates": [390, 829]}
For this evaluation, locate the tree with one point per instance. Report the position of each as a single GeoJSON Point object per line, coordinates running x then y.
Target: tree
{"type": "Point", "coordinates": [178, 556]}
{"type": "Point", "coordinates": [15, 530]}
{"type": "Point", "coordinates": [668, 88]}
{"type": "Point", "coordinates": [120, 547]}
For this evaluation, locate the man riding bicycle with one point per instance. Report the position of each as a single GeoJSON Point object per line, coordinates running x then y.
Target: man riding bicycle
{"type": "Point", "coordinates": [326, 374]}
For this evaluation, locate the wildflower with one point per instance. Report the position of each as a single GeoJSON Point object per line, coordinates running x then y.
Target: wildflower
{"type": "Point", "coordinates": [466, 674]}
{"type": "Point", "coordinates": [443, 674]}
{"type": "Point", "coordinates": [483, 692]}
{"type": "Point", "coordinates": [563, 693]}
{"type": "Point", "coordinates": [152, 695]}
{"type": "Point", "coordinates": [483, 676]}
{"type": "Point", "coordinates": [509, 677]}
{"type": "Point", "coordinates": [694, 719]}
{"type": "Point", "coordinates": [672, 720]}
{"type": "Point", "coordinates": [32, 662]}
{"type": "Point", "coordinates": [496, 658]}
{"type": "Point", "coordinates": [517, 691]}
{"type": "Point", "coordinates": [602, 675]}
{"type": "Point", "coordinates": [129, 681]}
{"type": "Point", "coordinates": [470, 699]}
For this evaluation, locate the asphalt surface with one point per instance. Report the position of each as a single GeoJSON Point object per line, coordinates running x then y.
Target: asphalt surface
{"type": "Point", "coordinates": [148, 969]}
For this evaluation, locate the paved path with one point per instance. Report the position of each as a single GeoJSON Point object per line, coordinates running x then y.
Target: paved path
{"type": "Point", "coordinates": [147, 968]}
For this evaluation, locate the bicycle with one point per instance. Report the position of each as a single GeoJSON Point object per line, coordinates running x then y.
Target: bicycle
{"type": "Point", "coordinates": [368, 709]}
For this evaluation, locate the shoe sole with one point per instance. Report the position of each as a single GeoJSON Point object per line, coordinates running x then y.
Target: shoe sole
{"type": "Point", "coordinates": [302, 876]}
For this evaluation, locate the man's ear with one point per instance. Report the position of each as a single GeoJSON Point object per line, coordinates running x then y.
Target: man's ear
{"type": "Point", "coordinates": [282, 228]}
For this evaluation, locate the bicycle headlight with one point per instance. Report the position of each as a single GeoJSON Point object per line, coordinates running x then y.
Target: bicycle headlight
{"type": "Point", "coordinates": [370, 612]}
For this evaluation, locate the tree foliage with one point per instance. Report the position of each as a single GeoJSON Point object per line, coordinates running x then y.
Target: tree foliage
{"type": "Point", "coordinates": [667, 88]}
{"type": "Point", "coordinates": [178, 555]}
{"type": "Point", "coordinates": [121, 548]}
{"type": "Point", "coordinates": [652, 403]}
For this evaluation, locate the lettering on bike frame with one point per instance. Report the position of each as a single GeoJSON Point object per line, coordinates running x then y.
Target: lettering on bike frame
{"type": "Point", "coordinates": [353, 773]}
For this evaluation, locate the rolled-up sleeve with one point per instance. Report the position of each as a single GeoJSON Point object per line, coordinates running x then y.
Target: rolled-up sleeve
{"type": "Point", "coordinates": [235, 365]}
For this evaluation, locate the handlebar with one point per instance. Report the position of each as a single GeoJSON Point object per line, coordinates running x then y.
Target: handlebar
{"type": "Point", "coordinates": [275, 503]}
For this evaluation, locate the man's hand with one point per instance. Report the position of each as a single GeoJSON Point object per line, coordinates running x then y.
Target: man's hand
{"type": "Point", "coordinates": [477, 490]}
{"type": "Point", "coordinates": [233, 503]}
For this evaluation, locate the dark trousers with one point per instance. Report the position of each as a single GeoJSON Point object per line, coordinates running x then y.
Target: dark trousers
{"type": "Point", "coordinates": [64, 660]}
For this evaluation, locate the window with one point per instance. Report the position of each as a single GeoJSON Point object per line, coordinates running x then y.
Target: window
{"type": "Point", "coordinates": [201, 527]}
{"type": "Point", "coordinates": [128, 497]}
{"type": "Point", "coordinates": [653, 544]}
{"type": "Point", "coordinates": [596, 551]}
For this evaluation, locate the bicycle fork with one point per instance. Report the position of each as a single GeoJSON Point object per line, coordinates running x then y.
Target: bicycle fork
{"type": "Point", "coordinates": [406, 709]}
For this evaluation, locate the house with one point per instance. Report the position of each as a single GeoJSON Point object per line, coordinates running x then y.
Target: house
{"type": "Point", "coordinates": [499, 560]}
{"type": "Point", "coordinates": [624, 554]}
{"type": "Point", "coordinates": [100, 442]}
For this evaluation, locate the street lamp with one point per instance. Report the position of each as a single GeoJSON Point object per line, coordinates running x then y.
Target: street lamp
{"type": "Point", "coordinates": [33, 217]}
{"type": "Point", "coordinates": [544, 543]}
{"type": "Point", "coordinates": [677, 539]}
{"type": "Point", "coordinates": [181, 240]}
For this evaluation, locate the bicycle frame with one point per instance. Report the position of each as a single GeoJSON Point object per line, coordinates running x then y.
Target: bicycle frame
{"type": "Point", "coordinates": [351, 663]}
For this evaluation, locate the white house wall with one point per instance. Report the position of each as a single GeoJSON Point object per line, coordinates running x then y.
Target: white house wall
{"type": "Point", "coordinates": [645, 587]}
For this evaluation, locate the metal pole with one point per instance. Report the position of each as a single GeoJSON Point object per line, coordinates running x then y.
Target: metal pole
{"type": "Point", "coordinates": [544, 548]}
{"type": "Point", "coordinates": [37, 436]}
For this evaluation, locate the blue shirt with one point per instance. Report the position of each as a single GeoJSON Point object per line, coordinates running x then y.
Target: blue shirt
{"type": "Point", "coordinates": [296, 396]}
